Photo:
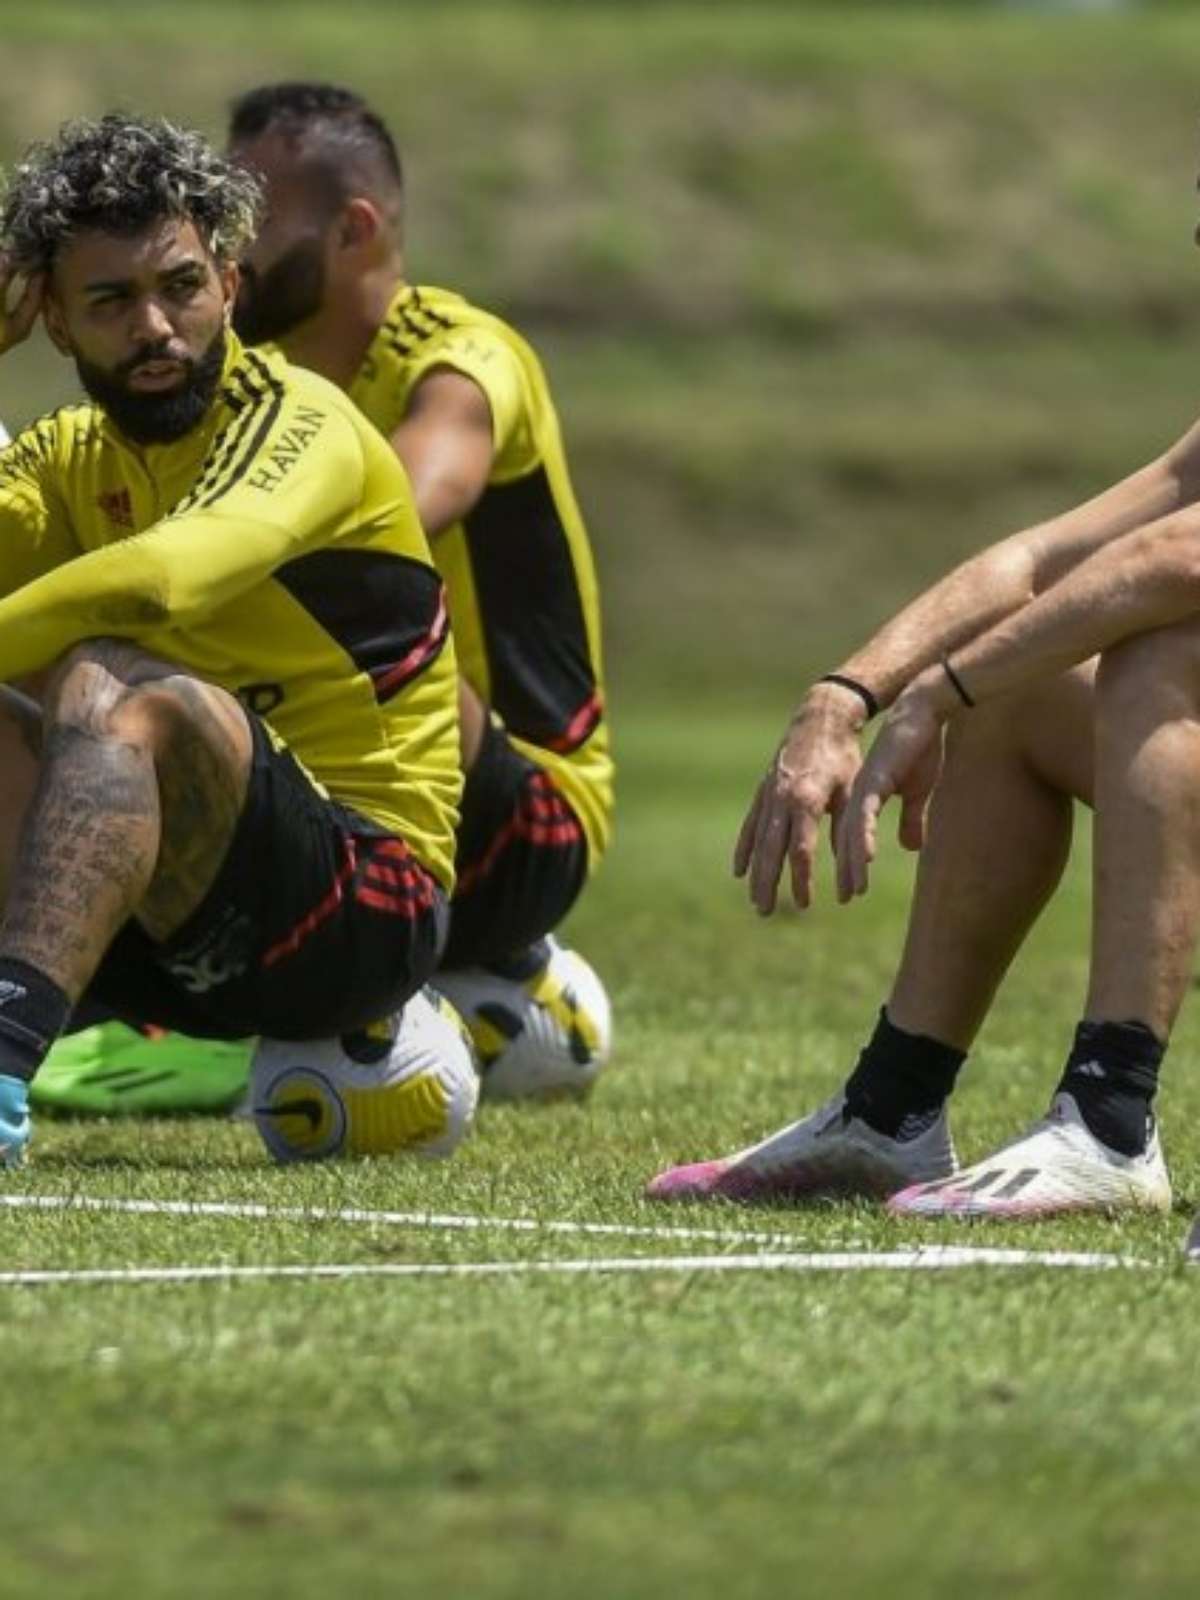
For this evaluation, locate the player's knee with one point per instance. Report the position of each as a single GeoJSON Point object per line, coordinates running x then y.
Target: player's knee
{"type": "Point", "coordinates": [86, 682]}
{"type": "Point", "coordinates": [1165, 662]}
{"type": "Point", "coordinates": [112, 688]}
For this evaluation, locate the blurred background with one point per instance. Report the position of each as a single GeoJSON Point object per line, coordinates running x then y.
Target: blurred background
{"type": "Point", "coordinates": [828, 293]}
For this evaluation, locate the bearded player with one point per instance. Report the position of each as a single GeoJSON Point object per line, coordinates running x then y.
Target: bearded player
{"type": "Point", "coordinates": [231, 810]}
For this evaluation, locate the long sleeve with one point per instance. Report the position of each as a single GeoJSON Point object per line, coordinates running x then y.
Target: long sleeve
{"type": "Point", "coordinates": [289, 498]}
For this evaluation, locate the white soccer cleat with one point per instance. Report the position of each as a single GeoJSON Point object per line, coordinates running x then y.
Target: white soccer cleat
{"type": "Point", "coordinates": [827, 1154]}
{"type": "Point", "coordinates": [1057, 1167]}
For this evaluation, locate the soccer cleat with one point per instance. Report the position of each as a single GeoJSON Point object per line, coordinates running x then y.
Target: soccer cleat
{"type": "Point", "coordinates": [110, 1070]}
{"type": "Point", "coordinates": [1057, 1167]}
{"type": "Point", "coordinates": [14, 1120]}
{"type": "Point", "coordinates": [828, 1154]}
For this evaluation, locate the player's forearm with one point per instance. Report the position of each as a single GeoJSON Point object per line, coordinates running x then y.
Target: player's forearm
{"type": "Point", "coordinates": [1008, 576]}
{"type": "Point", "coordinates": [42, 620]}
{"type": "Point", "coordinates": [172, 574]}
{"type": "Point", "coordinates": [1148, 579]}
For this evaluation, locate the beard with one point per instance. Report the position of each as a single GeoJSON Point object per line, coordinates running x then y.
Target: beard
{"type": "Point", "coordinates": [156, 418]}
{"type": "Point", "coordinates": [270, 304]}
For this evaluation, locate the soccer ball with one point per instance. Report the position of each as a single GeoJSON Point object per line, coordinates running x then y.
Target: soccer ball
{"type": "Point", "coordinates": [408, 1085]}
{"type": "Point", "coordinates": [537, 1038]}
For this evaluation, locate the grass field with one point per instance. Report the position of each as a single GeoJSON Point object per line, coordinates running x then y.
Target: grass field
{"type": "Point", "coordinates": [829, 295]}
{"type": "Point", "coordinates": [1002, 1430]}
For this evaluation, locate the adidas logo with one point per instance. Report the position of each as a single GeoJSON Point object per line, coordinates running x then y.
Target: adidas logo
{"type": "Point", "coordinates": [117, 506]}
{"type": "Point", "coordinates": [11, 991]}
{"type": "Point", "coordinates": [1089, 1069]}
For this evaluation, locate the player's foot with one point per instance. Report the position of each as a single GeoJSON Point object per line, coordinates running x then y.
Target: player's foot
{"type": "Point", "coordinates": [827, 1154]}
{"type": "Point", "coordinates": [110, 1070]}
{"type": "Point", "coordinates": [1058, 1166]}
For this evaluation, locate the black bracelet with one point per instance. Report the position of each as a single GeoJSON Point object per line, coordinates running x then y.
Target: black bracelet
{"type": "Point", "coordinates": [860, 689]}
{"type": "Point", "coordinates": [959, 687]}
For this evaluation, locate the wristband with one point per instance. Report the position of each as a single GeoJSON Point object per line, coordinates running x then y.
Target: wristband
{"type": "Point", "coordinates": [860, 689]}
{"type": "Point", "coordinates": [959, 686]}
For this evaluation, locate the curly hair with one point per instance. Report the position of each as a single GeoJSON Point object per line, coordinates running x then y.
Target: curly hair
{"type": "Point", "coordinates": [120, 175]}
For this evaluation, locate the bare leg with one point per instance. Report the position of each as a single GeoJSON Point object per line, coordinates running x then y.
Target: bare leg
{"type": "Point", "coordinates": [999, 836]}
{"type": "Point", "coordinates": [1146, 897]}
{"type": "Point", "coordinates": [472, 721]}
{"type": "Point", "coordinates": [142, 778]}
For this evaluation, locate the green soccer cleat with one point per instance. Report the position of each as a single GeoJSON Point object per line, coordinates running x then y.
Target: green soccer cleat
{"type": "Point", "coordinates": [111, 1070]}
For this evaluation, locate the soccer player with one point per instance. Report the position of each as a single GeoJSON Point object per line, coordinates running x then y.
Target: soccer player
{"type": "Point", "coordinates": [1061, 663]}
{"type": "Point", "coordinates": [464, 401]}
{"type": "Point", "coordinates": [232, 810]}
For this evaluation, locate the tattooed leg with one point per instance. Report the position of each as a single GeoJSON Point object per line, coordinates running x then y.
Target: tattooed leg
{"type": "Point", "coordinates": [20, 752]}
{"type": "Point", "coordinates": [142, 779]}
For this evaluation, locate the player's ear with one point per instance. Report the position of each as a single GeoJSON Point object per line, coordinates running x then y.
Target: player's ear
{"type": "Point", "coordinates": [55, 322]}
{"type": "Point", "coordinates": [359, 223]}
{"type": "Point", "coordinates": [230, 276]}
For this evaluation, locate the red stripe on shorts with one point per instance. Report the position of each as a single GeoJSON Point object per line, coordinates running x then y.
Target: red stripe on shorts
{"type": "Point", "coordinates": [398, 885]}
{"type": "Point", "coordinates": [291, 942]}
{"type": "Point", "coordinates": [542, 801]}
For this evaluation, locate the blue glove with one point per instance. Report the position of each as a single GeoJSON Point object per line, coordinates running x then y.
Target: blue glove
{"type": "Point", "coordinates": [14, 1119]}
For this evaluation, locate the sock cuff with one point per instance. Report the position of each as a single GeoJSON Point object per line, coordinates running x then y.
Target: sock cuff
{"type": "Point", "coordinates": [33, 1012]}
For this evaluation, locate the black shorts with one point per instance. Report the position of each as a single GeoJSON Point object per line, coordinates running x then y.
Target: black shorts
{"type": "Point", "coordinates": [319, 921]}
{"type": "Point", "coordinates": [522, 858]}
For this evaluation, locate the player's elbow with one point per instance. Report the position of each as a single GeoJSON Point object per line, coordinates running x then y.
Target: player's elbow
{"type": "Point", "coordinates": [129, 613]}
{"type": "Point", "coordinates": [1173, 554]}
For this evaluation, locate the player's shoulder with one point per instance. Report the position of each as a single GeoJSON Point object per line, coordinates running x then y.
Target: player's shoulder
{"type": "Point", "coordinates": [293, 400]}
{"type": "Point", "coordinates": [425, 316]}
{"type": "Point", "coordinates": [54, 439]}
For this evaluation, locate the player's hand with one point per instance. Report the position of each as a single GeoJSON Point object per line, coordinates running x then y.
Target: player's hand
{"type": "Point", "coordinates": [810, 777]}
{"type": "Point", "coordinates": [20, 302]}
{"type": "Point", "coordinates": [906, 761]}
{"type": "Point", "coordinates": [14, 1119]}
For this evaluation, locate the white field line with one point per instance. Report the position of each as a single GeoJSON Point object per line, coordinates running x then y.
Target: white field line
{"type": "Point", "coordinates": [921, 1258]}
{"type": "Point", "coordinates": [394, 1219]}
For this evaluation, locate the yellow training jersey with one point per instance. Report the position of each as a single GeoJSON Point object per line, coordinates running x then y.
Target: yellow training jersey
{"type": "Point", "coordinates": [273, 550]}
{"type": "Point", "coordinates": [518, 568]}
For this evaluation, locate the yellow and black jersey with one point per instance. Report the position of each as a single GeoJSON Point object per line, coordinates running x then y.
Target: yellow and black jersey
{"type": "Point", "coordinates": [518, 568]}
{"type": "Point", "coordinates": [274, 550]}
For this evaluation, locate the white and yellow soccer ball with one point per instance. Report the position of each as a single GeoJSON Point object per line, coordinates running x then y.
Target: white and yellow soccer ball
{"type": "Point", "coordinates": [407, 1086]}
{"type": "Point", "coordinates": [543, 1037]}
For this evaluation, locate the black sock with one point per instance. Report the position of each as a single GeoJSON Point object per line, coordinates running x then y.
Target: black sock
{"type": "Point", "coordinates": [33, 1012]}
{"type": "Point", "coordinates": [1112, 1075]}
{"type": "Point", "coordinates": [901, 1081]}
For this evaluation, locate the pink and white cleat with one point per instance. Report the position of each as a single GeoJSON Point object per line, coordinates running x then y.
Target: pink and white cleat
{"type": "Point", "coordinates": [826, 1155]}
{"type": "Point", "coordinates": [1057, 1167]}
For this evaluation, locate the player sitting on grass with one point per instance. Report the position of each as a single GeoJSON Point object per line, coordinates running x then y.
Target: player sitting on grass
{"type": "Point", "coordinates": [233, 813]}
{"type": "Point", "coordinates": [465, 404]}
{"type": "Point", "coordinates": [1061, 663]}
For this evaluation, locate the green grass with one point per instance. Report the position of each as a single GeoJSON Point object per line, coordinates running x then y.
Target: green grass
{"type": "Point", "coordinates": [701, 165]}
{"type": "Point", "coordinates": [1015, 1430]}
{"type": "Point", "coordinates": [828, 295]}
